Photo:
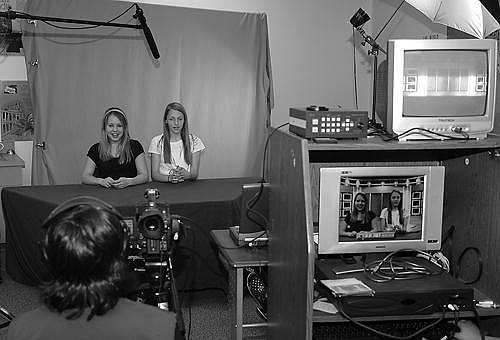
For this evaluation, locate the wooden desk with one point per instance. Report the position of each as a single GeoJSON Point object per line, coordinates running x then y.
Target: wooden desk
{"type": "Point", "coordinates": [235, 260]}
{"type": "Point", "coordinates": [470, 186]}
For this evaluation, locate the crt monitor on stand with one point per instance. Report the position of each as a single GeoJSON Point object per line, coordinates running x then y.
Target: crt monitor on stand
{"type": "Point", "coordinates": [421, 190]}
{"type": "Point", "coordinates": [445, 86]}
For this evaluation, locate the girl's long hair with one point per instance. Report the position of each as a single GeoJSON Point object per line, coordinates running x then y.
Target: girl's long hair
{"type": "Point", "coordinates": [124, 149]}
{"type": "Point", "coordinates": [400, 208]}
{"type": "Point", "coordinates": [165, 139]}
{"type": "Point", "coordinates": [355, 212]}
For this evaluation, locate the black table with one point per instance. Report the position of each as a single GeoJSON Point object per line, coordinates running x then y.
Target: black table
{"type": "Point", "coordinates": [207, 204]}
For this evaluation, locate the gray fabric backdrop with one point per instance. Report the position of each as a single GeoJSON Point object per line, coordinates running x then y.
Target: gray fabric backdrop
{"type": "Point", "coordinates": [216, 63]}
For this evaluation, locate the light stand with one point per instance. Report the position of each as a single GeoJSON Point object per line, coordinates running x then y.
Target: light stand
{"type": "Point", "coordinates": [357, 21]}
{"type": "Point", "coordinates": [373, 51]}
{"type": "Point", "coordinates": [139, 15]}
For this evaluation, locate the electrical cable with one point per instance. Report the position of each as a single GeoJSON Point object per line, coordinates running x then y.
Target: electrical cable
{"type": "Point", "coordinates": [75, 28]}
{"type": "Point", "coordinates": [447, 246]}
{"type": "Point", "coordinates": [420, 130]}
{"type": "Point", "coordinates": [394, 268]}
{"type": "Point", "coordinates": [249, 209]}
{"type": "Point", "coordinates": [479, 258]}
{"type": "Point", "coordinates": [265, 149]}
{"type": "Point", "coordinates": [198, 227]}
{"type": "Point", "coordinates": [376, 131]}
{"type": "Point", "coordinates": [389, 20]}
{"type": "Point", "coordinates": [387, 335]}
{"type": "Point", "coordinates": [253, 201]}
{"type": "Point", "coordinates": [448, 234]}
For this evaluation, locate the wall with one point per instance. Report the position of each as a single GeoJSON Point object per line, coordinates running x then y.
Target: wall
{"type": "Point", "coordinates": [312, 50]}
{"type": "Point", "coordinates": [311, 47]}
{"type": "Point", "coordinates": [308, 40]}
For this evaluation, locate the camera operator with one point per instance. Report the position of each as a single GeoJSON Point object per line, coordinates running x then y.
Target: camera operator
{"type": "Point", "coordinates": [84, 248]}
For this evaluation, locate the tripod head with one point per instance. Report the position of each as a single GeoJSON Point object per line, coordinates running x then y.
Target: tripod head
{"type": "Point", "coordinates": [370, 41]}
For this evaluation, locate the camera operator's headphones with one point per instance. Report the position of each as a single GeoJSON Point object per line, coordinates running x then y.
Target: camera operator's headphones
{"type": "Point", "coordinates": [74, 203]}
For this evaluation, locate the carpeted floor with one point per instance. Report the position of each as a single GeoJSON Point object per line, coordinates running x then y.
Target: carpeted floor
{"type": "Point", "coordinates": [206, 316]}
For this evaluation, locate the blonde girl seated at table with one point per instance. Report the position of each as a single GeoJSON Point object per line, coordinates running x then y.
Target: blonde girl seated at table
{"type": "Point", "coordinates": [175, 154]}
{"type": "Point", "coordinates": [359, 219]}
{"type": "Point", "coordinates": [117, 161]}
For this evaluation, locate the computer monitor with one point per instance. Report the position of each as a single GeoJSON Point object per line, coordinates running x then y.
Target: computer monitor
{"type": "Point", "coordinates": [420, 192]}
{"type": "Point", "coordinates": [445, 86]}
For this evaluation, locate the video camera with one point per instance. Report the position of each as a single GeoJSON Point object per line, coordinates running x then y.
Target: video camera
{"type": "Point", "coordinates": [155, 229]}
{"type": "Point", "coordinates": [149, 249]}
{"type": "Point", "coordinates": [149, 254]}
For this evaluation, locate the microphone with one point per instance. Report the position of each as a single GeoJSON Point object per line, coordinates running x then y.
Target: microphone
{"type": "Point", "coordinates": [139, 15]}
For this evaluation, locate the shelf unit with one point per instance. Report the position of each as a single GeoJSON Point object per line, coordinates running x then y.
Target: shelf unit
{"type": "Point", "coordinates": [471, 199]}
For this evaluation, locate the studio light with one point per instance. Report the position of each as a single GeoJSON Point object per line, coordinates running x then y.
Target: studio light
{"type": "Point", "coordinates": [359, 18]}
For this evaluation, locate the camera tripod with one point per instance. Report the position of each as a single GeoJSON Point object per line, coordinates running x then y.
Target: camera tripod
{"type": "Point", "coordinates": [150, 253]}
{"type": "Point", "coordinates": [158, 287]}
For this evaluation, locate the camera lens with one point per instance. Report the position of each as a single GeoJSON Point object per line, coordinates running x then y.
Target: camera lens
{"type": "Point", "coordinates": [151, 224]}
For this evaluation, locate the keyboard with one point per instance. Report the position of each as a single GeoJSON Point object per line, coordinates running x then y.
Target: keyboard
{"type": "Point", "coordinates": [375, 235]}
{"type": "Point", "coordinates": [351, 331]}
